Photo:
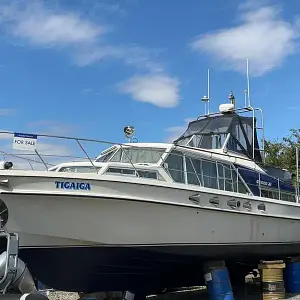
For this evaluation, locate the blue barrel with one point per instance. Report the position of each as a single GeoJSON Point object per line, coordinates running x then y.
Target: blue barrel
{"type": "Point", "coordinates": [218, 283]}
{"type": "Point", "coordinates": [292, 277]}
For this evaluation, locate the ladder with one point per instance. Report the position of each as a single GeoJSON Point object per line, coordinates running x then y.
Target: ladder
{"type": "Point", "coordinates": [259, 129]}
{"type": "Point", "coordinates": [11, 260]}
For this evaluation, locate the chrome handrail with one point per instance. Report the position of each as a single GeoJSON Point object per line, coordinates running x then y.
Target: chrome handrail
{"type": "Point", "coordinates": [162, 157]}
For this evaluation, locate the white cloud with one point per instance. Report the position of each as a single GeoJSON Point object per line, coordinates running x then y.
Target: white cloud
{"type": "Point", "coordinates": [160, 90]}
{"type": "Point", "coordinates": [4, 135]}
{"type": "Point", "coordinates": [261, 35]}
{"type": "Point", "coordinates": [175, 132]}
{"type": "Point", "coordinates": [44, 27]}
{"type": "Point", "coordinates": [51, 127]}
{"type": "Point", "coordinates": [40, 26]}
{"type": "Point", "coordinates": [6, 111]}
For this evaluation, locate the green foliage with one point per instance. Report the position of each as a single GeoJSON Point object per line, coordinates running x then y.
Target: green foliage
{"type": "Point", "coordinates": [282, 153]}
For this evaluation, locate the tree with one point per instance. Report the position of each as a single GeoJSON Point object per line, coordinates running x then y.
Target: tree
{"type": "Point", "coordinates": [282, 154]}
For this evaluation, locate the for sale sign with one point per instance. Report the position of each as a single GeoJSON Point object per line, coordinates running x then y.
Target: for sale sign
{"type": "Point", "coordinates": [24, 141]}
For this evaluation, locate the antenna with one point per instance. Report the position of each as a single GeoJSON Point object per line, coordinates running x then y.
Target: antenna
{"type": "Point", "coordinates": [245, 97]}
{"type": "Point", "coordinates": [248, 83]}
{"type": "Point", "coordinates": [205, 99]}
{"type": "Point", "coordinates": [208, 89]}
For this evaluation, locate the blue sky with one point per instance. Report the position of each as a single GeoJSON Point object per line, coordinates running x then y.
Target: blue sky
{"type": "Point", "coordinates": [90, 67]}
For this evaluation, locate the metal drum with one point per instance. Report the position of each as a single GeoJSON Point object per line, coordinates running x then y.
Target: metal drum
{"type": "Point", "coordinates": [272, 279]}
{"type": "Point", "coordinates": [292, 277]}
{"type": "Point", "coordinates": [218, 281]}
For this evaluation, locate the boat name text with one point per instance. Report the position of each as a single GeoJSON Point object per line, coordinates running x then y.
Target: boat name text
{"type": "Point", "coordinates": [72, 185]}
{"type": "Point", "coordinates": [266, 183]}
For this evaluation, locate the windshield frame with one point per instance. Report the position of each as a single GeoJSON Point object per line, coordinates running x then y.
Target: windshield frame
{"type": "Point", "coordinates": [121, 152]}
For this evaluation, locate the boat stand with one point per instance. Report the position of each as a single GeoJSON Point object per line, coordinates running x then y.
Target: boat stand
{"type": "Point", "coordinates": [11, 268]}
{"type": "Point", "coordinates": [11, 260]}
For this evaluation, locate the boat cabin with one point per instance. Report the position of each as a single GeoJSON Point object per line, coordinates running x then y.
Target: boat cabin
{"type": "Point", "coordinates": [217, 151]}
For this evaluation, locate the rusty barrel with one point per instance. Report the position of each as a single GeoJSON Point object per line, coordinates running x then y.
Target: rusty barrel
{"type": "Point", "coordinates": [272, 279]}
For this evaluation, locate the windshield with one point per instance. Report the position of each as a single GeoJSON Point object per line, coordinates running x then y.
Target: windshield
{"type": "Point", "coordinates": [106, 154]}
{"type": "Point", "coordinates": [138, 155]}
{"type": "Point", "coordinates": [205, 141]}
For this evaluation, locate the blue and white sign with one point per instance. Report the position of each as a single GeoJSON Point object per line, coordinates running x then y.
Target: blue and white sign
{"type": "Point", "coordinates": [25, 141]}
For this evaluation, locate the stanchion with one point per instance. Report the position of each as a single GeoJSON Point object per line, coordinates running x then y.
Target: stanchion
{"type": "Point", "coordinates": [218, 281]}
{"type": "Point", "coordinates": [272, 279]}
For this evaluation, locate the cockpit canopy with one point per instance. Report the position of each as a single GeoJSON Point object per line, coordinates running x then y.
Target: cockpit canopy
{"type": "Point", "coordinates": [228, 131]}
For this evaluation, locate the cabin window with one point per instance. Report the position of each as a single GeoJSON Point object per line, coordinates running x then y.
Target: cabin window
{"type": "Point", "coordinates": [234, 146]}
{"type": "Point", "coordinates": [208, 141]}
{"type": "Point", "coordinates": [174, 166]}
{"type": "Point", "coordinates": [147, 174]}
{"type": "Point", "coordinates": [209, 170]}
{"type": "Point", "coordinates": [201, 172]}
{"type": "Point", "coordinates": [121, 171]}
{"type": "Point", "coordinates": [267, 194]}
{"type": "Point", "coordinates": [138, 155]}
{"type": "Point", "coordinates": [272, 194]}
{"type": "Point", "coordinates": [226, 177]}
{"type": "Point", "coordinates": [192, 176]}
{"type": "Point", "coordinates": [79, 169]}
{"type": "Point", "coordinates": [288, 197]}
{"type": "Point", "coordinates": [141, 173]}
{"type": "Point", "coordinates": [205, 173]}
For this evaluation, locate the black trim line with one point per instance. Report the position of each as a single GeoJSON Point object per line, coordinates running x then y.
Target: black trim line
{"type": "Point", "coordinates": [164, 245]}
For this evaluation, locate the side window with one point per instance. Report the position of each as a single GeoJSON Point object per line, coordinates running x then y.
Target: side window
{"type": "Point", "coordinates": [121, 171]}
{"type": "Point", "coordinates": [209, 170]}
{"type": "Point", "coordinates": [174, 166]}
{"type": "Point", "coordinates": [227, 177]}
{"type": "Point", "coordinates": [203, 172]}
{"type": "Point", "coordinates": [266, 194]}
{"type": "Point", "coordinates": [147, 174]}
{"type": "Point", "coordinates": [79, 169]}
{"type": "Point", "coordinates": [288, 197]}
{"type": "Point", "coordinates": [192, 176]}
{"type": "Point", "coordinates": [275, 195]}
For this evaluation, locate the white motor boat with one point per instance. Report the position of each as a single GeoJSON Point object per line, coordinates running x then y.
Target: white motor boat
{"type": "Point", "coordinates": [147, 215]}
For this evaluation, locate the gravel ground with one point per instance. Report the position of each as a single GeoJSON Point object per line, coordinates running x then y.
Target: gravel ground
{"type": "Point", "coordinates": [251, 292]}
{"type": "Point", "coordinates": [57, 295]}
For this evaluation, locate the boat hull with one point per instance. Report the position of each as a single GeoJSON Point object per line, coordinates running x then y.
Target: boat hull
{"type": "Point", "coordinates": [138, 236]}
{"type": "Point", "coordinates": [91, 269]}
{"type": "Point", "coordinates": [99, 244]}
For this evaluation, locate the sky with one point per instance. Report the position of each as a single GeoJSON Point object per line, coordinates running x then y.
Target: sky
{"type": "Point", "coordinates": [87, 68]}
